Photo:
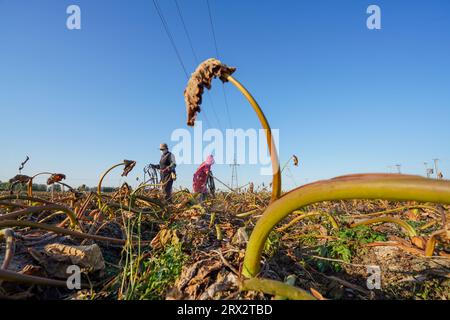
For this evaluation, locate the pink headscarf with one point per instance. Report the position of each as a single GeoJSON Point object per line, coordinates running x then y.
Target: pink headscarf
{"type": "Point", "coordinates": [210, 160]}
{"type": "Point", "coordinates": [201, 175]}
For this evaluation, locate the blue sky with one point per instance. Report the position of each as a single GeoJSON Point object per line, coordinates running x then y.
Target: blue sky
{"type": "Point", "coordinates": [346, 99]}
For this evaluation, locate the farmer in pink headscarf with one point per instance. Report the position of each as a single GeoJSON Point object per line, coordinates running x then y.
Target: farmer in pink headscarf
{"type": "Point", "coordinates": [201, 177]}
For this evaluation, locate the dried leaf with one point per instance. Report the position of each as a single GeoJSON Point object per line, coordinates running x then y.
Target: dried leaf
{"type": "Point", "coordinates": [129, 165]}
{"type": "Point", "coordinates": [20, 178]}
{"type": "Point", "coordinates": [201, 78]}
{"type": "Point", "coordinates": [56, 177]}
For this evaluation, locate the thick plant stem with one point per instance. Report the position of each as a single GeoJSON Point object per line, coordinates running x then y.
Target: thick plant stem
{"type": "Point", "coordinates": [276, 181]}
{"type": "Point", "coordinates": [431, 243]}
{"type": "Point", "coordinates": [330, 218]}
{"type": "Point", "coordinates": [99, 187]}
{"type": "Point", "coordinates": [8, 234]}
{"type": "Point", "coordinates": [407, 227]}
{"type": "Point", "coordinates": [30, 183]}
{"type": "Point", "coordinates": [364, 186]}
{"type": "Point", "coordinates": [276, 288]}
{"type": "Point", "coordinates": [31, 210]}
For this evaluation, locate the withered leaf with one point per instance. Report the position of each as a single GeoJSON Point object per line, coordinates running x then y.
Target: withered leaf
{"type": "Point", "coordinates": [56, 177]}
{"type": "Point", "coordinates": [20, 178]}
{"type": "Point", "coordinates": [201, 78]}
{"type": "Point", "coordinates": [129, 165]}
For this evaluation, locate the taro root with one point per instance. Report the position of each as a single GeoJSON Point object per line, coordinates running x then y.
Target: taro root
{"type": "Point", "coordinates": [56, 177]}
{"type": "Point", "coordinates": [201, 78]}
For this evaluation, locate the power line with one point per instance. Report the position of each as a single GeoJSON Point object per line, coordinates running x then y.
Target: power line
{"type": "Point", "coordinates": [212, 29]}
{"type": "Point", "coordinates": [197, 61]}
{"type": "Point", "coordinates": [186, 31]}
{"type": "Point", "coordinates": [218, 56]}
{"type": "Point", "coordinates": [174, 46]}
{"type": "Point", "coordinates": [169, 35]}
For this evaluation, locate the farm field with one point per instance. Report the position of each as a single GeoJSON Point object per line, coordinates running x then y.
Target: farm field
{"type": "Point", "coordinates": [322, 124]}
{"type": "Point", "coordinates": [139, 248]}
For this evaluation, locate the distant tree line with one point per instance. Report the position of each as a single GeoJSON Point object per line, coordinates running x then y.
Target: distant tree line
{"type": "Point", "coordinates": [57, 187]}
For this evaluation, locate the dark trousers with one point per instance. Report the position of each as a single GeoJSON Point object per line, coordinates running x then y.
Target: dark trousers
{"type": "Point", "coordinates": [167, 182]}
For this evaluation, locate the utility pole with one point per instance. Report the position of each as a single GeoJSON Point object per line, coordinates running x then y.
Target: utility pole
{"type": "Point", "coordinates": [234, 175]}
{"type": "Point", "coordinates": [436, 171]}
{"type": "Point", "coordinates": [399, 168]}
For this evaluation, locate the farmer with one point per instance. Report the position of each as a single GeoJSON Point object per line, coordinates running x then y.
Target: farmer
{"type": "Point", "coordinates": [201, 177]}
{"type": "Point", "coordinates": [166, 168]}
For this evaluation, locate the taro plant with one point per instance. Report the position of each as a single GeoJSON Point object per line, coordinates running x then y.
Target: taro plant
{"type": "Point", "coordinates": [343, 248]}
{"type": "Point", "coordinates": [202, 78]}
{"type": "Point", "coordinates": [363, 186]}
{"type": "Point", "coordinates": [128, 166]}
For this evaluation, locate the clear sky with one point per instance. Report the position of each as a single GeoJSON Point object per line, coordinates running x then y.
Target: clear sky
{"type": "Point", "coordinates": [345, 98]}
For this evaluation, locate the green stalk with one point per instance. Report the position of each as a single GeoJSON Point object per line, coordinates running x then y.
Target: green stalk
{"type": "Point", "coordinates": [99, 187]}
{"type": "Point", "coordinates": [431, 243]}
{"type": "Point", "coordinates": [307, 215]}
{"type": "Point", "coordinates": [30, 183]}
{"type": "Point", "coordinates": [276, 288]}
{"type": "Point", "coordinates": [364, 186]}
{"type": "Point", "coordinates": [8, 234]}
{"type": "Point", "coordinates": [407, 227]}
{"type": "Point", "coordinates": [276, 180]}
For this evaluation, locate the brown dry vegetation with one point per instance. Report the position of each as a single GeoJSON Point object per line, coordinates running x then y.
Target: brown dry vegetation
{"type": "Point", "coordinates": [192, 250]}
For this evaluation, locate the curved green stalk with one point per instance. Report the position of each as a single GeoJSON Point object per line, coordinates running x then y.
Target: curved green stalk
{"type": "Point", "coordinates": [276, 181]}
{"type": "Point", "coordinates": [365, 186]}
{"type": "Point", "coordinates": [30, 183]}
{"type": "Point", "coordinates": [333, 222]}
{"type": "Point", "coordinates": [276, 288]}
{"type": "Point", "coordinates": [248, 213]}
{"type": "Point", "coordinates": [431, 243]}
{"type": "Point", "coordinates": [379, 213]}
{"type": "Point", "coordinates": [99, 187]}
{"type": "Point", "coordinates": [8, 234]}
{"type": "Point", "coordinates": [406, 226]}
